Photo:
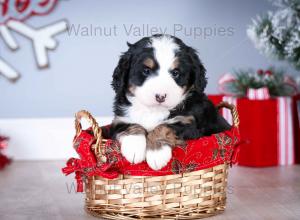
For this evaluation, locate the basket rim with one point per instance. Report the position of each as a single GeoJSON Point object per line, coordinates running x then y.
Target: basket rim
{"type": "Point", "coordinates": [183, 174]}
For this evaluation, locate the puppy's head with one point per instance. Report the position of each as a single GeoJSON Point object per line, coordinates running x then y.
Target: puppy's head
{"type": "Point", "coordinates": [159, 71]}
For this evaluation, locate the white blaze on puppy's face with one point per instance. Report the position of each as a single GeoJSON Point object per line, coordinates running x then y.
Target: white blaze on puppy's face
{"type": "Point", "coordinates": [163, 83]}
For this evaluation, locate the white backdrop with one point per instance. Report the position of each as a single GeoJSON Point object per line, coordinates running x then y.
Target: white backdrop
{"type": "Point", "coordinates": [42, 138]}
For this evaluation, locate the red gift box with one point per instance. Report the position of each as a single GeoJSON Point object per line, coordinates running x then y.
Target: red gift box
{"type": "Point", "coordinates": [268, 130]}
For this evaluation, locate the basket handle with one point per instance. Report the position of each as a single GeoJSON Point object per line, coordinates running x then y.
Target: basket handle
{"type": "Point", "coordinates": [233, 110]}
{"type": "Point", "coordinates": [96, 130]}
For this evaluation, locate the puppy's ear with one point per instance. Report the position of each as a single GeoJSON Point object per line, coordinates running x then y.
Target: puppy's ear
{"type": "Point", "coordinates": [120, 75]}
{"type": "Point", "coordinates": [199, 71]}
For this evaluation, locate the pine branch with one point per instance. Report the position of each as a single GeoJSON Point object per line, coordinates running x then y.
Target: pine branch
{"type": "Point", "coordinates": [277, 34]}
{"type": "Point", "coordinates": [273, 79]}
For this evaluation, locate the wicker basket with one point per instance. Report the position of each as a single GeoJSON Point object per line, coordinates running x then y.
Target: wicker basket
{"type": "Point", "coordinates": [191, 195]}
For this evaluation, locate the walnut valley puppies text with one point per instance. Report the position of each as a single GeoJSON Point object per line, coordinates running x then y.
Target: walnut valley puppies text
{"type": "Point", "coordinates": [196, 32]}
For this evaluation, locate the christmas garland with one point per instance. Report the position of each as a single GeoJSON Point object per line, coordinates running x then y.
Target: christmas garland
{"type": "Point", "coordinates": [277, 83]}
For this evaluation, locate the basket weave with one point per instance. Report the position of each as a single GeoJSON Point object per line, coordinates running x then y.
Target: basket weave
{"type": "Point", "coordinates": [192, 195]}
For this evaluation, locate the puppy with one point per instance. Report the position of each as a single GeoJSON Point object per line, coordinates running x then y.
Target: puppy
{"type": "Point", "coordinates": [160, 102]}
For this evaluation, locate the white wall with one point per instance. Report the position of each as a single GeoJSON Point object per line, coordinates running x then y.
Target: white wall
{"type": "Point", "coordinates": [42, 138]}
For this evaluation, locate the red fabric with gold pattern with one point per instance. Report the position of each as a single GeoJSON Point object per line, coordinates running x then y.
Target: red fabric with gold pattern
{"type": "Point", "coordinates": [198, 154]}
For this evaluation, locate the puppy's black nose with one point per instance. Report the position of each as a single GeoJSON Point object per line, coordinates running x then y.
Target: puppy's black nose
{"type": "Point", "coordinates": [160, 98]}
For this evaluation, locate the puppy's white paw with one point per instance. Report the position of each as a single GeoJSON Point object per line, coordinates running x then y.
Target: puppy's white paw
{"type": "Point", "coordinates": [133, 148]}
{"type": "Point", "coordinates": [158, 158]}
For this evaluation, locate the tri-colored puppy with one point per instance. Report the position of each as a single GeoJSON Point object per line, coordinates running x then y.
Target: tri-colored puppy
{"type": "Point", "coordinates": [160, 101]}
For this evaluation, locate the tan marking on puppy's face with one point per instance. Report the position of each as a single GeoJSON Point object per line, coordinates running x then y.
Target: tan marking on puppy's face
{"type": "Point", "coordinates": [149, 62]}
{"type": "Point", "coordinates": [175, 64]}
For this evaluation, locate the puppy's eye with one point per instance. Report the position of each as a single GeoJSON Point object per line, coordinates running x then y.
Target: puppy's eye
{"type": "Point", "coordinates": [146, 71]}
{"type": "Point", "coordinates": [175, 73]}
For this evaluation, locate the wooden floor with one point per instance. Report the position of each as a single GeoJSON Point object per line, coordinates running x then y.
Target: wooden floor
{"type": "Point", "coordinates": [38, 190]}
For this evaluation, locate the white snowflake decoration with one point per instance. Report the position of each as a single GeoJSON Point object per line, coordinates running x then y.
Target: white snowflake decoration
{"type": "Point", "coordinates": [42, 38]}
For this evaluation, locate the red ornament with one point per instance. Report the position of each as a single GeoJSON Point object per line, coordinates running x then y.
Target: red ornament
{"type": "Point", "coordinates": [3, 142]}
{"type": "Point", "coordinates": [260, 72]}
{"type": "Point", "coordinates": [4, 160]}
{"type": "Point", "coordinates": [268, 72]}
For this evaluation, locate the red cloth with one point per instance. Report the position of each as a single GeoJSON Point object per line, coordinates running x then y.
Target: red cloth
{"type": "Point", "coordinates": [196, 155]}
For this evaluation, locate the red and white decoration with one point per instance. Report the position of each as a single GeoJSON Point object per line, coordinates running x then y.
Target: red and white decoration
{"type": "Point", "coordinates": [13, 15]}
{"type": "Point", "coordinates": [224, 80]}
{"type": "Point", "coordinates": [258, 94]}
{"type": "Point", "coordinates": [285, 131]}
{"type": "Point", "coordinates": [226, 112]}
{"type": "Point", "coordinates": [269, 129]}
{"type": "Point", "coordinates": [258, 85]}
